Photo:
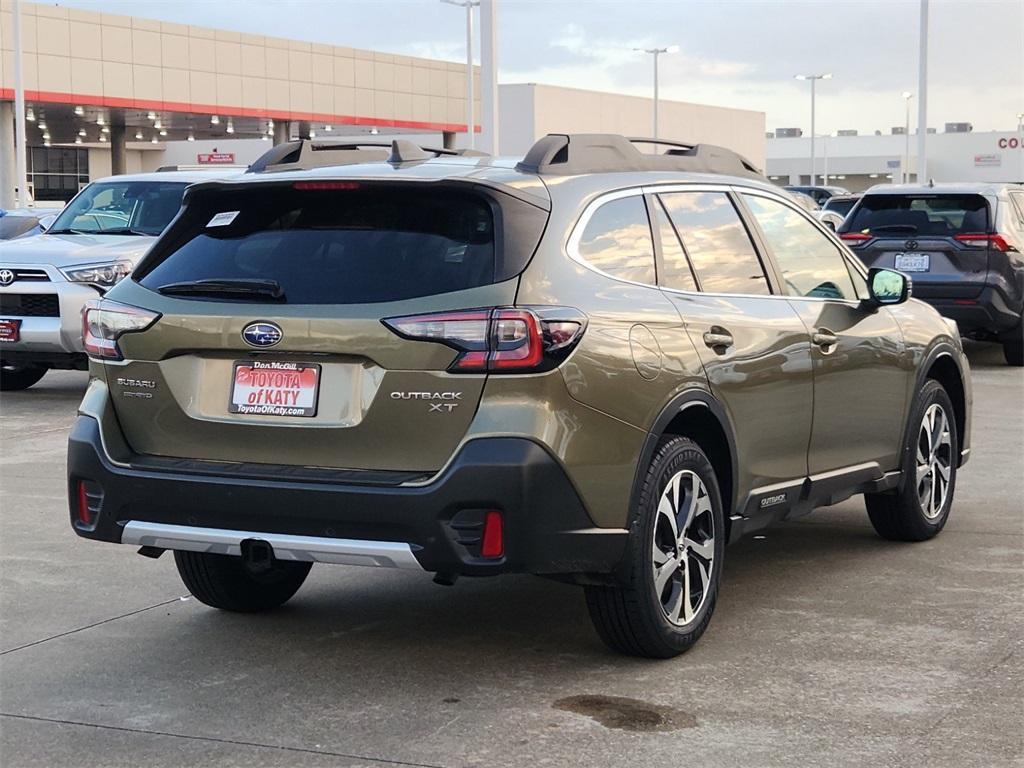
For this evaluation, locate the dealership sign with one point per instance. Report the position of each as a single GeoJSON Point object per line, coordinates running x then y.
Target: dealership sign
{"type": "Point", "coordinates": [1010, 143]}
{"type": "Point", "coordinates": [216, 158]}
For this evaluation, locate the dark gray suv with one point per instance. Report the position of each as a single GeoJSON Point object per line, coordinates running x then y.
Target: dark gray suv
{"type": "Point", "coordinates": [963, 244]}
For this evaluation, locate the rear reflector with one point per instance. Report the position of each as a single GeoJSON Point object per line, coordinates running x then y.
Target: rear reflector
{"type": "Point", "coordinates": [965, 302]}
{"type": "Point", "coordinates": [855, 237]}
{"type": "Point", "coordinates": [87, 504]}
{"type": "Point", "coordinates": [501, 340]}
{"type": "Point", "coordinates": [493, 541]}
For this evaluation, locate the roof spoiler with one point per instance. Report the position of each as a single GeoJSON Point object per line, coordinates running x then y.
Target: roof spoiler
{"type": "Point", "coordinates": [305, 154]}
{"type": "Point", "coordinates": [564, 154]}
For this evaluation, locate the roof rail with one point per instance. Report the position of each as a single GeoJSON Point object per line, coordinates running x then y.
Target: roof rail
{"type": "Point", "coordinates": [304, 154]}
{"type": "Point", "coordinates": [563, 154]}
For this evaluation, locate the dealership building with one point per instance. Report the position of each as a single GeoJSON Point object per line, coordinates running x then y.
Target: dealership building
{"type": "Point", "coordinates": [109, 94]}
{"type": "Point", "coordinates": [860, 161]}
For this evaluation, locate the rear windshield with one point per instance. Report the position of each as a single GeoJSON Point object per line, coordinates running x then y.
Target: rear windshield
{"type": "Point", "coordinates": [942, 215]}
{"type": "Point", "coordinates": [335, 246]}
{"type": "Point", "coordinates": [842, 207]}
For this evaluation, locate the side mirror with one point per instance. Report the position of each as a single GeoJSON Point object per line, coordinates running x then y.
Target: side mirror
{"type": "Point", "coordinates": [45, 222]}
{"type": "Point", "coordinates": [887, 286]}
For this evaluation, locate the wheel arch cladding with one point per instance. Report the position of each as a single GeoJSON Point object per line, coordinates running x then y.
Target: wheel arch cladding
{"type": "Point", "coordinates": [944, 370]}
{"type": "Point", "coordinates": [699, 417]}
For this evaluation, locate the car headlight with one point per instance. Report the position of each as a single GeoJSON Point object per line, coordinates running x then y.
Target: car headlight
{"type": "Point", "coordinates": [102, 275]}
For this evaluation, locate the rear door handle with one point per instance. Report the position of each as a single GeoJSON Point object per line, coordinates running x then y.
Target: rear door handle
{"type": "Point", "coordinates": [825, 339]}
{"type": "Point", "coordinates": [718, 337]}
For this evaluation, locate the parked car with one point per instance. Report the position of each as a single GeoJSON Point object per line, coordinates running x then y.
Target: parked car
{"type": "Point", "coordinates": [594, 364]}
{"type": "Point", "coordinates": [21, 222]}
{"type": "Point", "coordinates": [962, 243]}
{"type": "Point", "coordinates": [841, 204]}
{"type": "Point", "coordinates": [819, 194]}
{"type": "Point", "coordinates": [91, 244]}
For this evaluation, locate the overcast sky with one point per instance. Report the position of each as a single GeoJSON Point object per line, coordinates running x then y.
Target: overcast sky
{"type": "Point", "coordinates": [732, 52]}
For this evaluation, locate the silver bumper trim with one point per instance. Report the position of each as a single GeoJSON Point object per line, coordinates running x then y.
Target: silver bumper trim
{"type": "Point", "coordinates": [381, 554]}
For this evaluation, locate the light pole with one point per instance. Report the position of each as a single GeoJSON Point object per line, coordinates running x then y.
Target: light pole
{"type": "Point", "coordinates": [814, 79]}
{"type": "Point", "coordinates": [907, 96]}
{"type": "Point", "coordinates": [922, 97]}
{"type": "Point", "coordinates": [656, 52]}
{"type": "Point", "coordinates": [468, 5]}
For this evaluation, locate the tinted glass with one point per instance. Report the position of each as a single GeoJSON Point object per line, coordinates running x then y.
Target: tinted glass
{"type": "Point", "coordinates": [675, 269]}
{"type": "Point", "coordinates": [810, 263]}
{"type": "Point", "coordinates": [717, 242]}
{"type": "Point", "coordinates": [842, 206]}
{"type": "Point", "coordinates": [336, 246]}
{"type": "Point", "coordinates": [617, 240]}
{"type": "Point", "coordinates": [941, 214]}
{"type": "Point", "coordinates": [122, 208]}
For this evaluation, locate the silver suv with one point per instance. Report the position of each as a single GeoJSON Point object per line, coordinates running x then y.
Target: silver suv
{"type": "Point", "coordinates": [93, 243]}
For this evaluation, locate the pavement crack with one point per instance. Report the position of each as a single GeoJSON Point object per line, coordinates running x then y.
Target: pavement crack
{"type": "Point", "coordinates": [89, 626]}
{"type": "Point", "coordinates": [217, 740]}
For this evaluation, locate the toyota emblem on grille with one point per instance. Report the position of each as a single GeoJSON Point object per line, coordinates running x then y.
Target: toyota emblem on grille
{"type": "Point", "coordinates": [911, 245]}
{"type": "Point", "coordinates": [6, 277]}
{"type": "Point", "coordinates": [262, 334]}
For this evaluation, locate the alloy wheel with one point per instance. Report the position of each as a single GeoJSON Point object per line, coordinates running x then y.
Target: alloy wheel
{"type": "Point", "coordinates": [934, 461]}
{"type": "Point", "coordinates": [683, 547]}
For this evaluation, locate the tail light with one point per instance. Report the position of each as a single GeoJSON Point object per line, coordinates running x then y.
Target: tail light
{"type": "Point", "coordinates": [105, 321]}
{"type": "Point", "coordinates": [498, 340]}
{"type": "Point", "coordinates": [855, 237]}
{"type": "Point", "coordinates": [985, 240]}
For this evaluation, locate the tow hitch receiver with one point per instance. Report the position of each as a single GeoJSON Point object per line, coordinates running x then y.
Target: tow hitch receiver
{"type": "Point", "coordinates": [257, 555]}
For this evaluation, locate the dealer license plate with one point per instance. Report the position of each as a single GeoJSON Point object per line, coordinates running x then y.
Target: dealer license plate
{"type": "Point", "coordinates": [913, 262]}
{"type": "Point", "coordinates": [10, 330]}
{"type": "Point", "coordinates": [269, 388]}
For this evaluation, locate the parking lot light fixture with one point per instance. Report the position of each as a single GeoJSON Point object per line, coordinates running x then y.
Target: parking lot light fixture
{"type": "Point", "coordinates": [656, 52]}
{"type": "Point", "coordinates": [138, 135]}
{"type": "Point", "coordinates": [814, 79]}
{"type": "Point", "coordinates": [79, 111]}
{"type": "Point", "coordinates": [30, 115]}
{"type": "Point", "coordinates": [231, 126]}
{"type": "Point", "coordinates": [907, 96]}
{"type": "Point", "coordinates": [214, 120]}
{"type": "Point", "coordinates": [469, 5]}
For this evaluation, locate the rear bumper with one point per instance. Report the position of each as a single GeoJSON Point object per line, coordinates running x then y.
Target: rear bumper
{"type": "Point", "coordinates": [435, 527]}
{"type": "Point", "coordinates": [988, 313]}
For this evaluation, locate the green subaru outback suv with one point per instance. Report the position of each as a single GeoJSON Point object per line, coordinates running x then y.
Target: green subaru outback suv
{"type": "Point", "coordinates": [596, 364]}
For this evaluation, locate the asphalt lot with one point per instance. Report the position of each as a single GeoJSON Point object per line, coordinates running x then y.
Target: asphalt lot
{"type": "Point", "coordinates": [829, 646]}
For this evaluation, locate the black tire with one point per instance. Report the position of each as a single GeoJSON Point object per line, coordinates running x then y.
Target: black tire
{"type": "Point", "coordinates": [1013, 349]}
{"type": "Point", "coordinates": [901, 514]}
{"type": "Point", "coordinates": [16, 377]}
{"type": "Point", "coordinates": [631, 618]}
{"type": "Point", "coordinates": [226, 582]}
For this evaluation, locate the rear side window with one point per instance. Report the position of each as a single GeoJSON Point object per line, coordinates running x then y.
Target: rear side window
{"type": "Point", "coordinates": [842, 207]}
{"type": "Point", "coordinates": [674, 271]}
{"type": "Point", "coordinates": [942, 215]}
{"type": "Point", "coordinates": [810, 263]}
{"type": "Point", "coordinates": [717, 242]}
{"type": "Point", "coordinates": [617, 240]}
{"type": "Point", "coordinates": [335, 246]}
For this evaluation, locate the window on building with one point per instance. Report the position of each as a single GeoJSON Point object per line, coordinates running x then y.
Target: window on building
{"type": "Point", "coordinates": [57, 173]}
{"type": "Point", "coordinates": [811, 264]}
{"type": "Point", "coordinates": [617, 240]}
{"type": "Point", "coordinates": [717, 242]}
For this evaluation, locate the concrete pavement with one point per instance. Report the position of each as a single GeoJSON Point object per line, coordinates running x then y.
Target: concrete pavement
{"type": "Point", "coordinates": [829, 646]}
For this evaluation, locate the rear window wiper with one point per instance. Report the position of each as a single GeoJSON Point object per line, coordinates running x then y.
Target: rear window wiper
{"type": "Point", "coordinates": [266, 289]}
{"type": "Point", "coordinates": [894, 228]}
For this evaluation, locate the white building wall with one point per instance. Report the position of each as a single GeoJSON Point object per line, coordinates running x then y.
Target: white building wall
{"type": "Point", "coordinates": [530, 111]}
{"type": "Point", "coordinates": [983, 156]}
